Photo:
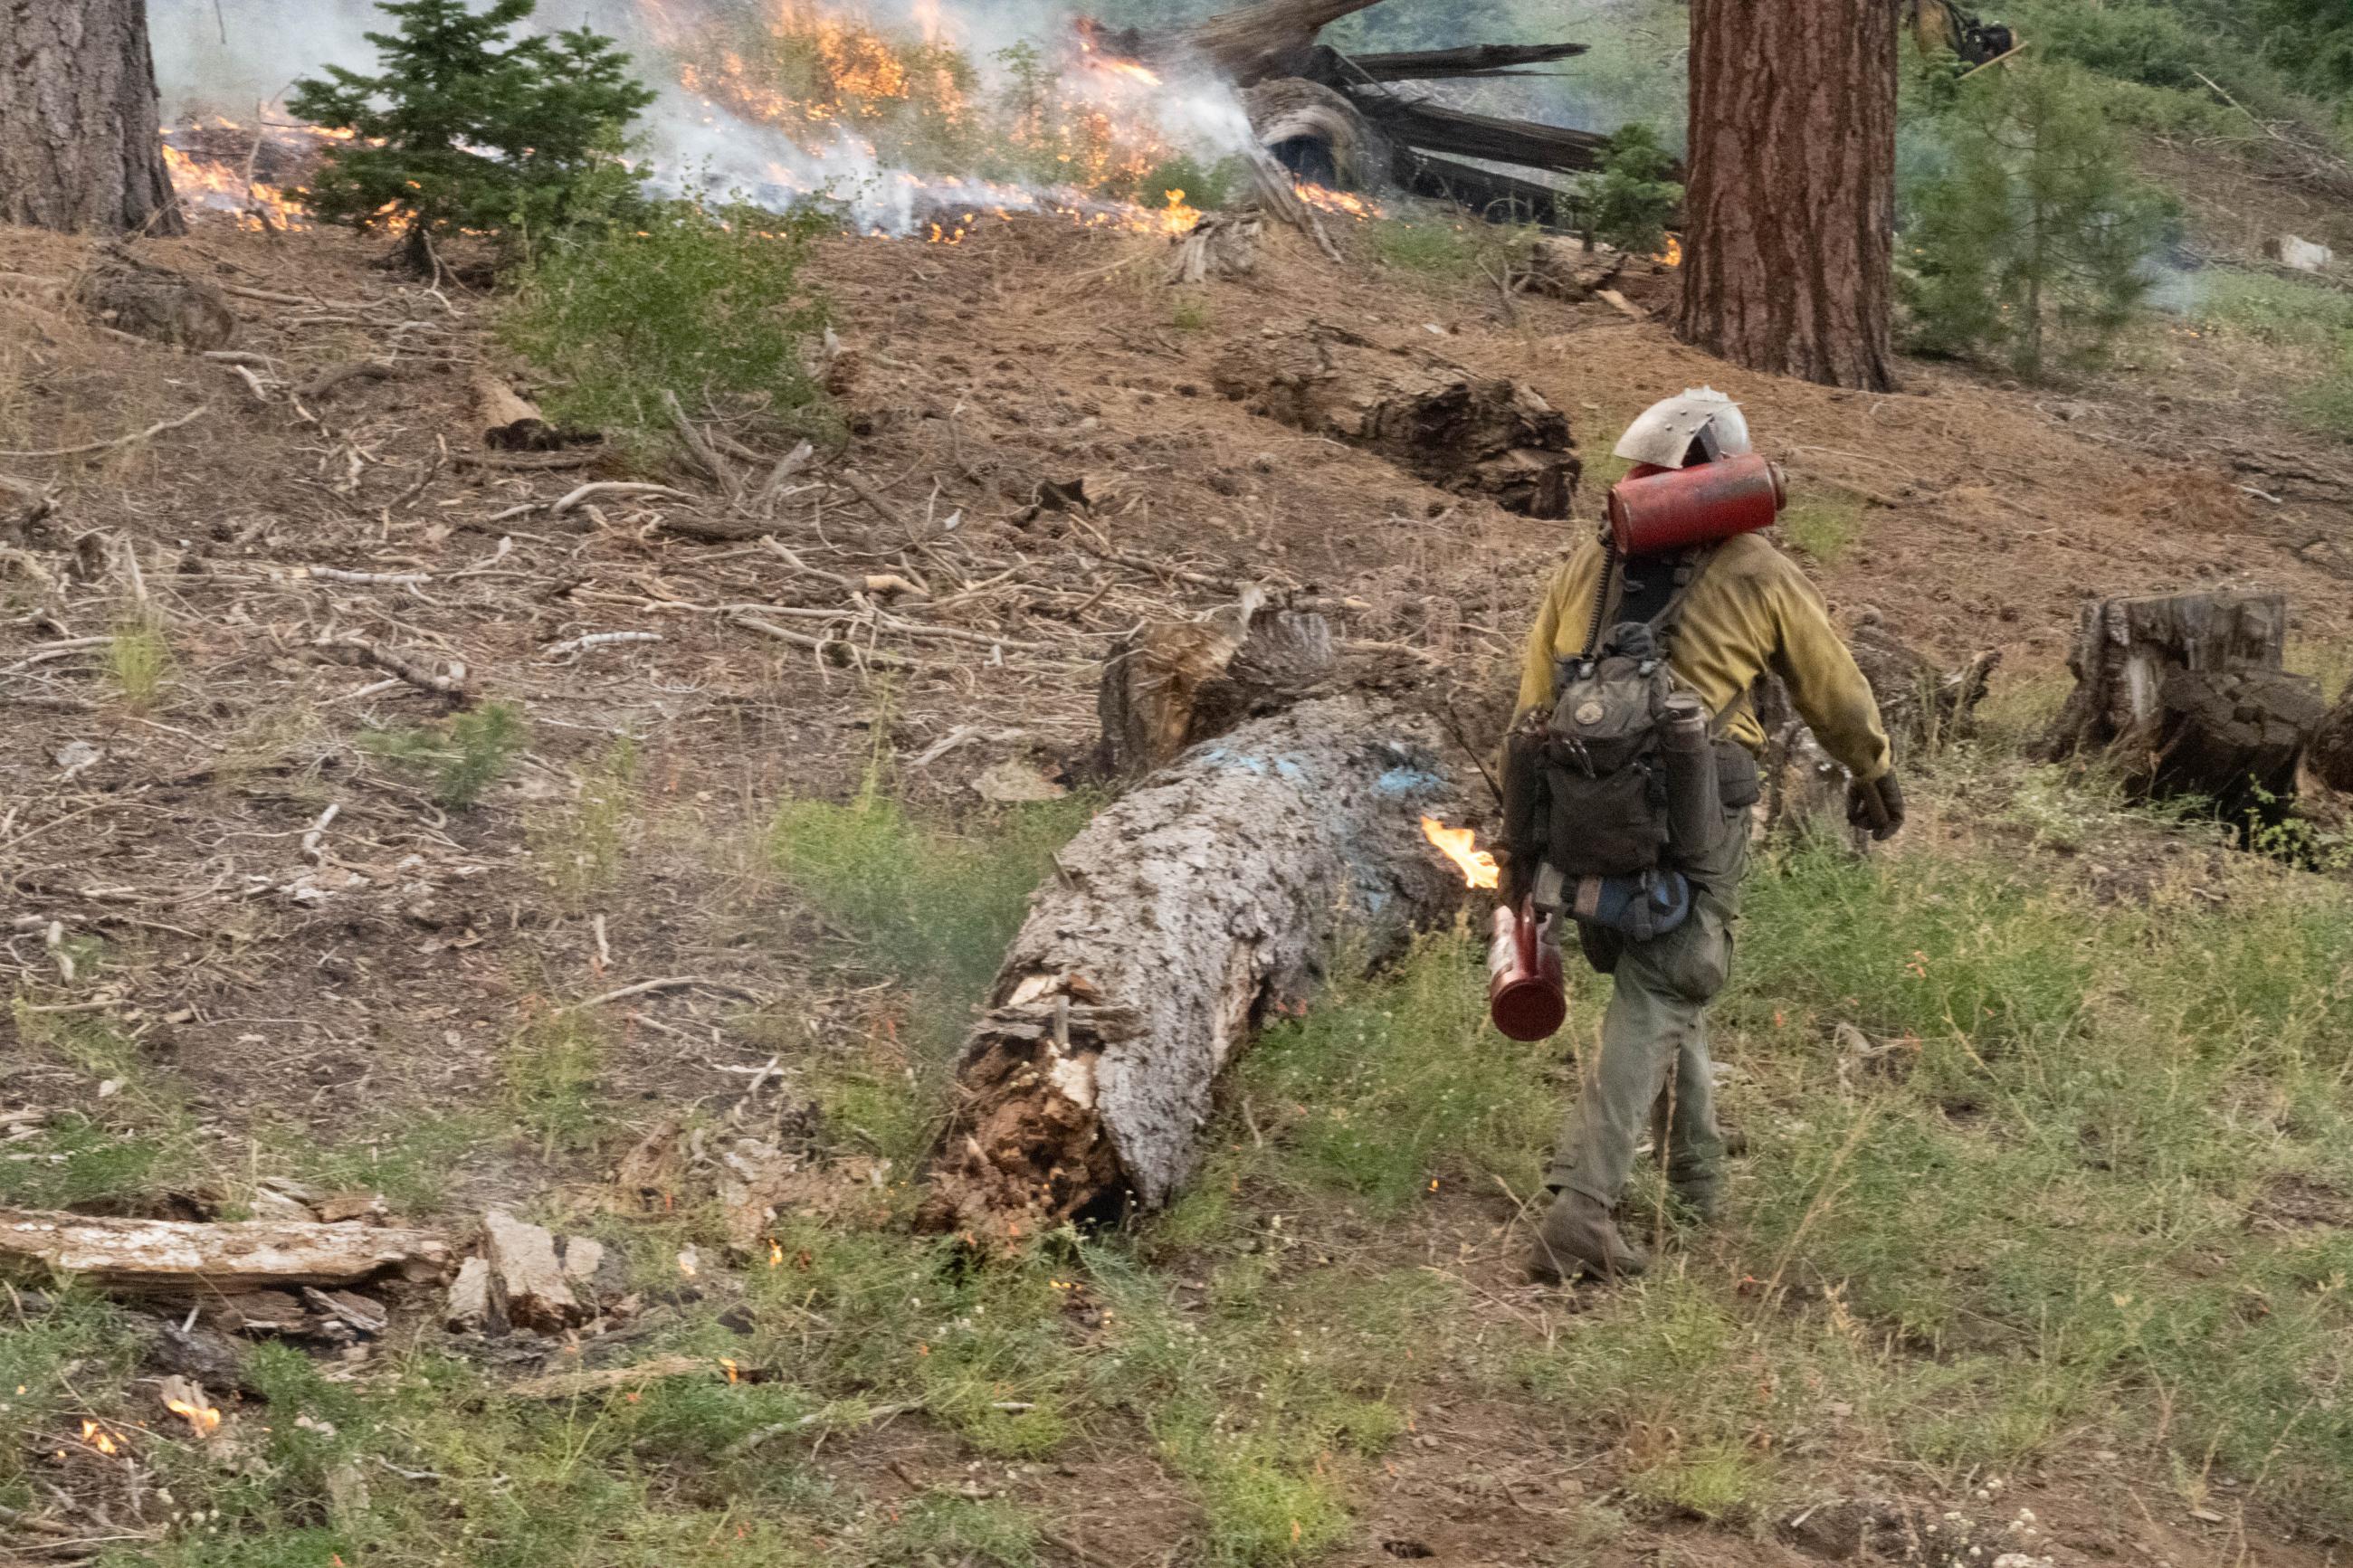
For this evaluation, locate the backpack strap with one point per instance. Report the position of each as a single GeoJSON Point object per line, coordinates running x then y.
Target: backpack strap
{"type": "Point", "coordinates": [1669, 619]}
{"type": "Point", "coordinates": [1600, 599]}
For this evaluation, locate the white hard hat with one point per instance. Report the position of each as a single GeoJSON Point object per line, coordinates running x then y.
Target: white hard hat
{"type": "Point", "coordinates": [1663, 436]}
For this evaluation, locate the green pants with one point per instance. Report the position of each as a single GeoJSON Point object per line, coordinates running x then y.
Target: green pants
{"type": "Point", "coordinates": [1652, 1065]}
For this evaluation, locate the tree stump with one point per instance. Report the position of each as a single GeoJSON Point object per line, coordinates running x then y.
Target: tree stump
{"type": "Point", "coordinates": [2187, 693]}
{"type": "Point", "coordinates": [1459, 430]}
{"type": "Point", "coordinates": [1317, 133]}
{"type": "Point", "coordinates": [1212, 896]}
{"type": "Point", "coordinates": [1920, 702]}
{"type": "Point", "coordinates": [2331, 753]}
{"type": "Point", "coordinates": [1174, 684]}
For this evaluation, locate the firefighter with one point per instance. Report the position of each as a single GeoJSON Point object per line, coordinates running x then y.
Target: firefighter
{"type": "Point", "coordinates": [1707, 620]}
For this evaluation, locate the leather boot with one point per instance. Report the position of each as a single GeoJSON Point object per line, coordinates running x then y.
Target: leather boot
{"type": "Point", "coordinates": [1579, 1238]}
{"type": "Point", "coordinates": [1700, 1197]}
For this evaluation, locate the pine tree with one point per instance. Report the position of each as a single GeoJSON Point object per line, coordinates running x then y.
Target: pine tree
{"type": "Point", "coordinates": [1627, 203]}
{"type": "Point", "coordinates": [2033, 241]}
{"type": "Point", "coordinates": [462, 129]}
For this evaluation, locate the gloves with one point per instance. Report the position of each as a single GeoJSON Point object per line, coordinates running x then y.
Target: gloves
{"type": "Point", "coordinates": [1876, 805]}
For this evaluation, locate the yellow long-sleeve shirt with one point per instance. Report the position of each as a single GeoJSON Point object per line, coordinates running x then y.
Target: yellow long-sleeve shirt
{"type": "Point", "coordinates": [1750, 611]}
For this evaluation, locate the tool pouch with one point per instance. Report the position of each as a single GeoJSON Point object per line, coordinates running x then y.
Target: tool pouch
{"type": "Point", "coordinates": [1640, 908]}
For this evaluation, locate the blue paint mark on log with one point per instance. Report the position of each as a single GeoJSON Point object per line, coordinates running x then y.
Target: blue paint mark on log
{"type": "Point", "coordinates": [1409, 782]}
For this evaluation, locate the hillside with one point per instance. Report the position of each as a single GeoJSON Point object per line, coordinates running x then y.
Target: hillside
{"type": "Point", "coordinates": [2039, 1255]}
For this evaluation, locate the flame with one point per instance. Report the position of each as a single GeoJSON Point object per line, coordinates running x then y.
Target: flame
{"type": "Point", "coordinates": [1344, 202]}
{"type": "Point", "coordinates": [98, 1438]}
{"type": "Point", "coordinates": [775, 1254]}
{"type": "Point", "coordinates": [1672, 255]}
{"type": "Point", "coordinates": [203, 1417]}
{"type": "Point", "coordinates": [733, 1373]}
{"type": "Point", "coordinates": [1479, 868]}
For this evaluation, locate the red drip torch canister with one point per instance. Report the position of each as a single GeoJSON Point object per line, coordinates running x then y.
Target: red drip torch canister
{"type": "Point", "coordinates": [1668, 508]}
{"type": "Point", "coordinates": [1526, 996]}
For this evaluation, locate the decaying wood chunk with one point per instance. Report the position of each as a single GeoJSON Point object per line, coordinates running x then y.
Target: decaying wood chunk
{"type": "Point", "coordinates": [134, 296]}
{"type": "Point", "coordinates": [528, 1287]}
{"type": "Point", "coordinates": [1221, 245]}
{"type": "Point", "coordinates": [2186, 691]}
{"type": "Point", "coordinates": [468, 1308]}
{"type": "Point", "coordinates": [1570, 269]}
{"type": "Point", "coordinates": [1171, 684]}
{"type": "Point", "coordinates": [1207, 897]}
{"type": "Point", "coordinates": [1458, 429]}
{"type": "Point", "coordinates": [159, 1255]}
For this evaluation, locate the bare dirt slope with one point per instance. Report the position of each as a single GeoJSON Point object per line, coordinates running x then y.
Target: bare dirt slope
{"type": "Point", "coordinates": [180, 730]}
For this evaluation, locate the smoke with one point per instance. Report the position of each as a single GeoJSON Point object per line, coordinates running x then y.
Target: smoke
{"type": "Point", "coordinates": [230, 57]}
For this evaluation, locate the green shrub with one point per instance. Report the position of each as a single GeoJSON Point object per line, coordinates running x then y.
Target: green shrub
{"type": "Point", "coordinates": [464, 756]}
{"type": "Point", "coordinates": [2032, 243]}
{"type": "Point", "coordinates": [1627, 203]}
{"type": "Point", "coordinates": [457, 132]}
{"type": "Point", "coordinates": [706, 303]}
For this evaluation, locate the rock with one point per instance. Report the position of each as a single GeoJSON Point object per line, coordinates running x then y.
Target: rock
{"type": "Point", "coordinates": [528, 1287]}
{"type": "Point", "coordinates": [582, 1257]}
{"type": "Point", "coordinates": [341, 1208]}
{"type": "Point", "coordinates": [1013, 782]}
{"type": "Point", "coordinates": [2300, 254]}
{"type": "Point", "coordinates": [138, 297]}
{"type": "Point", "coordinates": [468, 1308]}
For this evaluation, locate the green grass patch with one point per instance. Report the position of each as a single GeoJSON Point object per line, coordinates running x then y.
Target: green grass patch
{"type": "Point", "coordinates": [1826, 527]}
{"type": "Point", "coordinates": [411, 1160]}
{"type": "Point", "coordinates": [552, 1068]}
{"type": "Point", "coordinates": [1460, 249]}
{"type": "Point", "coordinates": [2270, 308]}
{"type": "Point", "coordinates": [706, 304]}
{"type": "Point", "coordinates": [582, 847]}
{"type": "Point", "coordinates": [138, 660]}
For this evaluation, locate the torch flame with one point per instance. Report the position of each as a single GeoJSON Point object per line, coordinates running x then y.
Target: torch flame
{"type": "Point", "coordinates": [775, 1252]}
{"type": "Point", "coordinates": [203, 1417]}
{"type": "Point", "coordinates": [1672, 255]}
{"type": "Point", "coordinates": [98, 1438]}
{"type": "Point", "coordinates": [1478, 867]}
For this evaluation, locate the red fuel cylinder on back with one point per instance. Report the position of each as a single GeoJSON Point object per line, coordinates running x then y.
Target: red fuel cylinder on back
{"type": "Point", "coordinates": [1667, 509]}
{"type": "Point", "coordinates": [1525, 996]}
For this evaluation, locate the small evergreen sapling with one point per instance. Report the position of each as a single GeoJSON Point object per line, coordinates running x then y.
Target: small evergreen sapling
{"type": "Point", "coordinates": [1629, 201]}
{"type": "Point", "coordinates": [462, 129]}
{"type": "Point", "coordinates": [2033, 240]}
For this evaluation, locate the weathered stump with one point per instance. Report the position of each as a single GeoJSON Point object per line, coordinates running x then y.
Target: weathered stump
{"type": "Point", "coordinates": [1920, 702]}
{"type": "Point", "coordinates": [1448, 425]}
{"type": "Point", "coordinates": [1221, 245]}
{"type": "Point", "coordinates": [1212, 896]}
{"type": "Point", "coordinates": [2330, 756]}
{"type": "Point", "coordinates": [1317, 133]}
{"type": "Point", "coordinates": [2186, 691]}
{"type": "Point", "coordinates": [1174, 684]}
{"type": "Point", "coordinates": [152, 301]}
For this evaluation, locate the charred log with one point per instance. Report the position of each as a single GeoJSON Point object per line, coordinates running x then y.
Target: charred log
{"type": "Point", "coordinates": [1434, 127]}
{"type": "Point", "coordinates": [1211, 896]}
{"type": "Point", "coordinates": [1496, 196]}
{"type": "Point", "coordinates": [1330, 66]}
{"type": "Point", "coordinates": [1274, 38]}
{"type": "Point", "coordinates": [1315, 132]}
{"type": "Point", "coordinates": [2187, 693]}
{"type": "Point", "coordinates": [1462, 431]}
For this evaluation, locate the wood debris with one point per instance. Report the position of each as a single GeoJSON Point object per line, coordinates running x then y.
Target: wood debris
{"type": "Point", "coordinates": [151, 1256]}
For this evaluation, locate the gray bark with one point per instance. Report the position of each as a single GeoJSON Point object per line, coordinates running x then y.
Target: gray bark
{"type": "Point", "coordinates": [80, 128]}
{"type": "Point", "coordinates": [174, 1255]}
{"type": "Point", "coordinates": [1213, 895]}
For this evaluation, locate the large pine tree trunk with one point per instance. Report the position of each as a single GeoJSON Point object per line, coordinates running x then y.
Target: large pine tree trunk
{"type": "Point", "coordinates": [80, 142]}
{"type": "Point", "coordinates": [1790, 206]}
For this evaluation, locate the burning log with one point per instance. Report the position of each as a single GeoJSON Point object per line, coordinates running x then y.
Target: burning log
{"type": "Point", "coordinates": [2189, 693]}
{"type": "Point", "coordinates": [1464, 432]}
{"type": "Point", "coordinates": [1213, 895]}
{"type": "Point", "coordinates": [161, 1256]}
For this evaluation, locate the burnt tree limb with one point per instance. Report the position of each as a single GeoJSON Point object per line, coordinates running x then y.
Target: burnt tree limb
{"type": "Point", "coordinates": [1435, 127]}
{"type": "Point", "coordinates": [1483, 191]}
{"type": "Point", "coordinates": [1462, 431]}
{"type": "Point", "coordinates": [1469, 60]}
{"type": "Point", "coordinates": [1271, 39]}
{"type": "Point", "coordinates": [2187, 694]}
{"type": "Point", "coordinates": [1212, 896]}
